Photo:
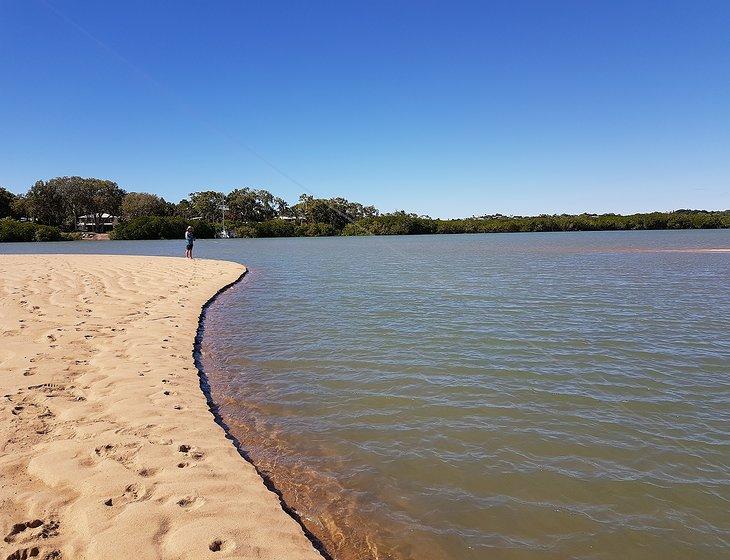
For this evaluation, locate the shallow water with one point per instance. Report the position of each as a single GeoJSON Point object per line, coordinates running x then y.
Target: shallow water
{"type": "Point", "coordinates": [488, 396]}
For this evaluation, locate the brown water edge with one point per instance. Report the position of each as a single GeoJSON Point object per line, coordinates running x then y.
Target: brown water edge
{"type": "Point", "coordinates": [347, 524]}
{"type": "Point", "coordinates": [334, 519]}
{"type": "Point", "coordinates": [214, 409]}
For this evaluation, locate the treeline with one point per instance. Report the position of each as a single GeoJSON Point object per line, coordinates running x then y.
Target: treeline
{"type": "Point", "coordinates": [51, 208]}
{"type": "Point", "coordinates": [400, 223]}
{"type": "Point", "coordinates": [59, 202]}
{"type": "Point", "coordinates": [248, 213]}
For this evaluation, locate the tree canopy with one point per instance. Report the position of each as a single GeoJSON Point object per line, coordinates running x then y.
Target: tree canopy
{"type": "Point", "coordinates": [206, 205]}
{"type": "Point", "coordinates": [139, 204]}
{"type": "Point", "coordinates": [60, 201]}
{"type": "Point", "coordinates": [337, 212]}
{"type": "Point", "coordinates": [255, 212]}
{"type": "Point", "coordinates": [7, 202]}
{"type": "Point", "coordinates": [249, 205]}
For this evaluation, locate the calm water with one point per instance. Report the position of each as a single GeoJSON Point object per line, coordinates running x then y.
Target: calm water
{"type": "Point", "coordinates": [488, 396]}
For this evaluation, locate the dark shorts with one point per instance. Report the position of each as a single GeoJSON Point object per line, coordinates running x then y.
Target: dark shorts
{"type": "Point", "coordinates": [189, 246]}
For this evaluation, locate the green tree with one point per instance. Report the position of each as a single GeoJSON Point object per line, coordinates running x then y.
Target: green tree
{"type": "Point", "coordinates": [183, 209]}
{"type": "Point", "coordinates": [207, 205]}
{"type": "Point", "coordinates": [61, 200]}
{"type": "Point", "coordinates": [137, 204]}
{"type": "Point", "coordinates": [282, 207]}
{"type": "Point", "coordinates": [6, 203]}
{"type": "Point", "coordinates": [19, 207]}
{"type": "Point", "coordinates": [249, 205]}
{"type": "Point", "coordinates": [106, 199]}
{"type": "Point", "coordinates": [312, 209]}
{"type": "Point", "coordinates": [46, 203]}
{"type": "Point", "coordinates": [336, 212]}
{"type": "Point", "coordinates": [78, 197]}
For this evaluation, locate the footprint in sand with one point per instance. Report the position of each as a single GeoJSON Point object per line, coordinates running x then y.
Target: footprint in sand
{"type": "Point", "coordinates": [57, 389]}
{"type": "Point", "coordinates": [121, 453]}
{"type": "Point", "coordinates": [25, 553]}
{"type": "Point", "coordinates": [34, 529]}
{"type": "Point", "coordinates": [135, 492]}
{"type": "Point", "coordinates": [140, 432]}
{"type": "Point", "coordinates": [219, 545]}
{"type": "Point", "coordinates": [31, 414]}
{"type": "Point", "coordinates": [34, 552]}
{"type": "Point", "coordinates": [191, 452]}
{"type": "Point", "coordinates": [190, 502]}
{"type": "Point", "coordinates": [51, 389]}
{"type": "Point", "coordinates": [19, 528]}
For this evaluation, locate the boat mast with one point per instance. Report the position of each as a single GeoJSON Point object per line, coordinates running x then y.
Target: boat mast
{"type": "Point", "coordinates": [223, 231]}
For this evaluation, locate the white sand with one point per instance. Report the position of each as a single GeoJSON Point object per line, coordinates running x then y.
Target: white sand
{"type": "Point", "coordinates": [107, 447]}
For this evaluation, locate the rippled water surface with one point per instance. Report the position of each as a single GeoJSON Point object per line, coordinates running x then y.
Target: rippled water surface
{"type": "Point", "coordinates": [513, 396]}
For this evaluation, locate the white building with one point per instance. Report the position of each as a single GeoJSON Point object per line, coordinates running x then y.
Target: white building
{"type": "Point", "coordinates": [106, 222]}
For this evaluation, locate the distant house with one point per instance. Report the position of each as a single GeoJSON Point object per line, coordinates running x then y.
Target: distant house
{"type": "Point", "coordinates": [106, 222]}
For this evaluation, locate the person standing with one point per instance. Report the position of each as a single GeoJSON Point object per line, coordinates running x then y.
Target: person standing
{"type": "Point", "coordinates": [189, 240]}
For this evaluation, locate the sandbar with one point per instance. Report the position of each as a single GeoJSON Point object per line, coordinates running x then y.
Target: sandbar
{"type": "Point", "coordinates": [108, 449]}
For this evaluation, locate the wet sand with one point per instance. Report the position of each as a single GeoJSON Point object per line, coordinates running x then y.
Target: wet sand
{"type": "Point", "coordinates": [107, 446]}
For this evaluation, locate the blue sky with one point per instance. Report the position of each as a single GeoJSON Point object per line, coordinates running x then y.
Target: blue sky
{"type": "Point", "coordinates": [444, 108]}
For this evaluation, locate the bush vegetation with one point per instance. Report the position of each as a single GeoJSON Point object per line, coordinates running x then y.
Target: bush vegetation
{"type": "Point", "coordinates": [284, 228]}
{"type": "Point", "coordinates": [161, 227]}
{"type": "Point", "coordinates": [14, 230]}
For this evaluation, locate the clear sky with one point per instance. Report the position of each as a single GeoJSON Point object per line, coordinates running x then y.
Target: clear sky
{"type": "Point", "coordinates": [445, 108]}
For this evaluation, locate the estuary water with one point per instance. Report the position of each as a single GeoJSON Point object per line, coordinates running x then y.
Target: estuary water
{"type": "Point", "coordinates": [506, 396]}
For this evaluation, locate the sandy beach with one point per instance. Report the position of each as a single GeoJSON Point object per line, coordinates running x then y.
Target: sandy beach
{"type": "Point", "coordinates": [107, 447]}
